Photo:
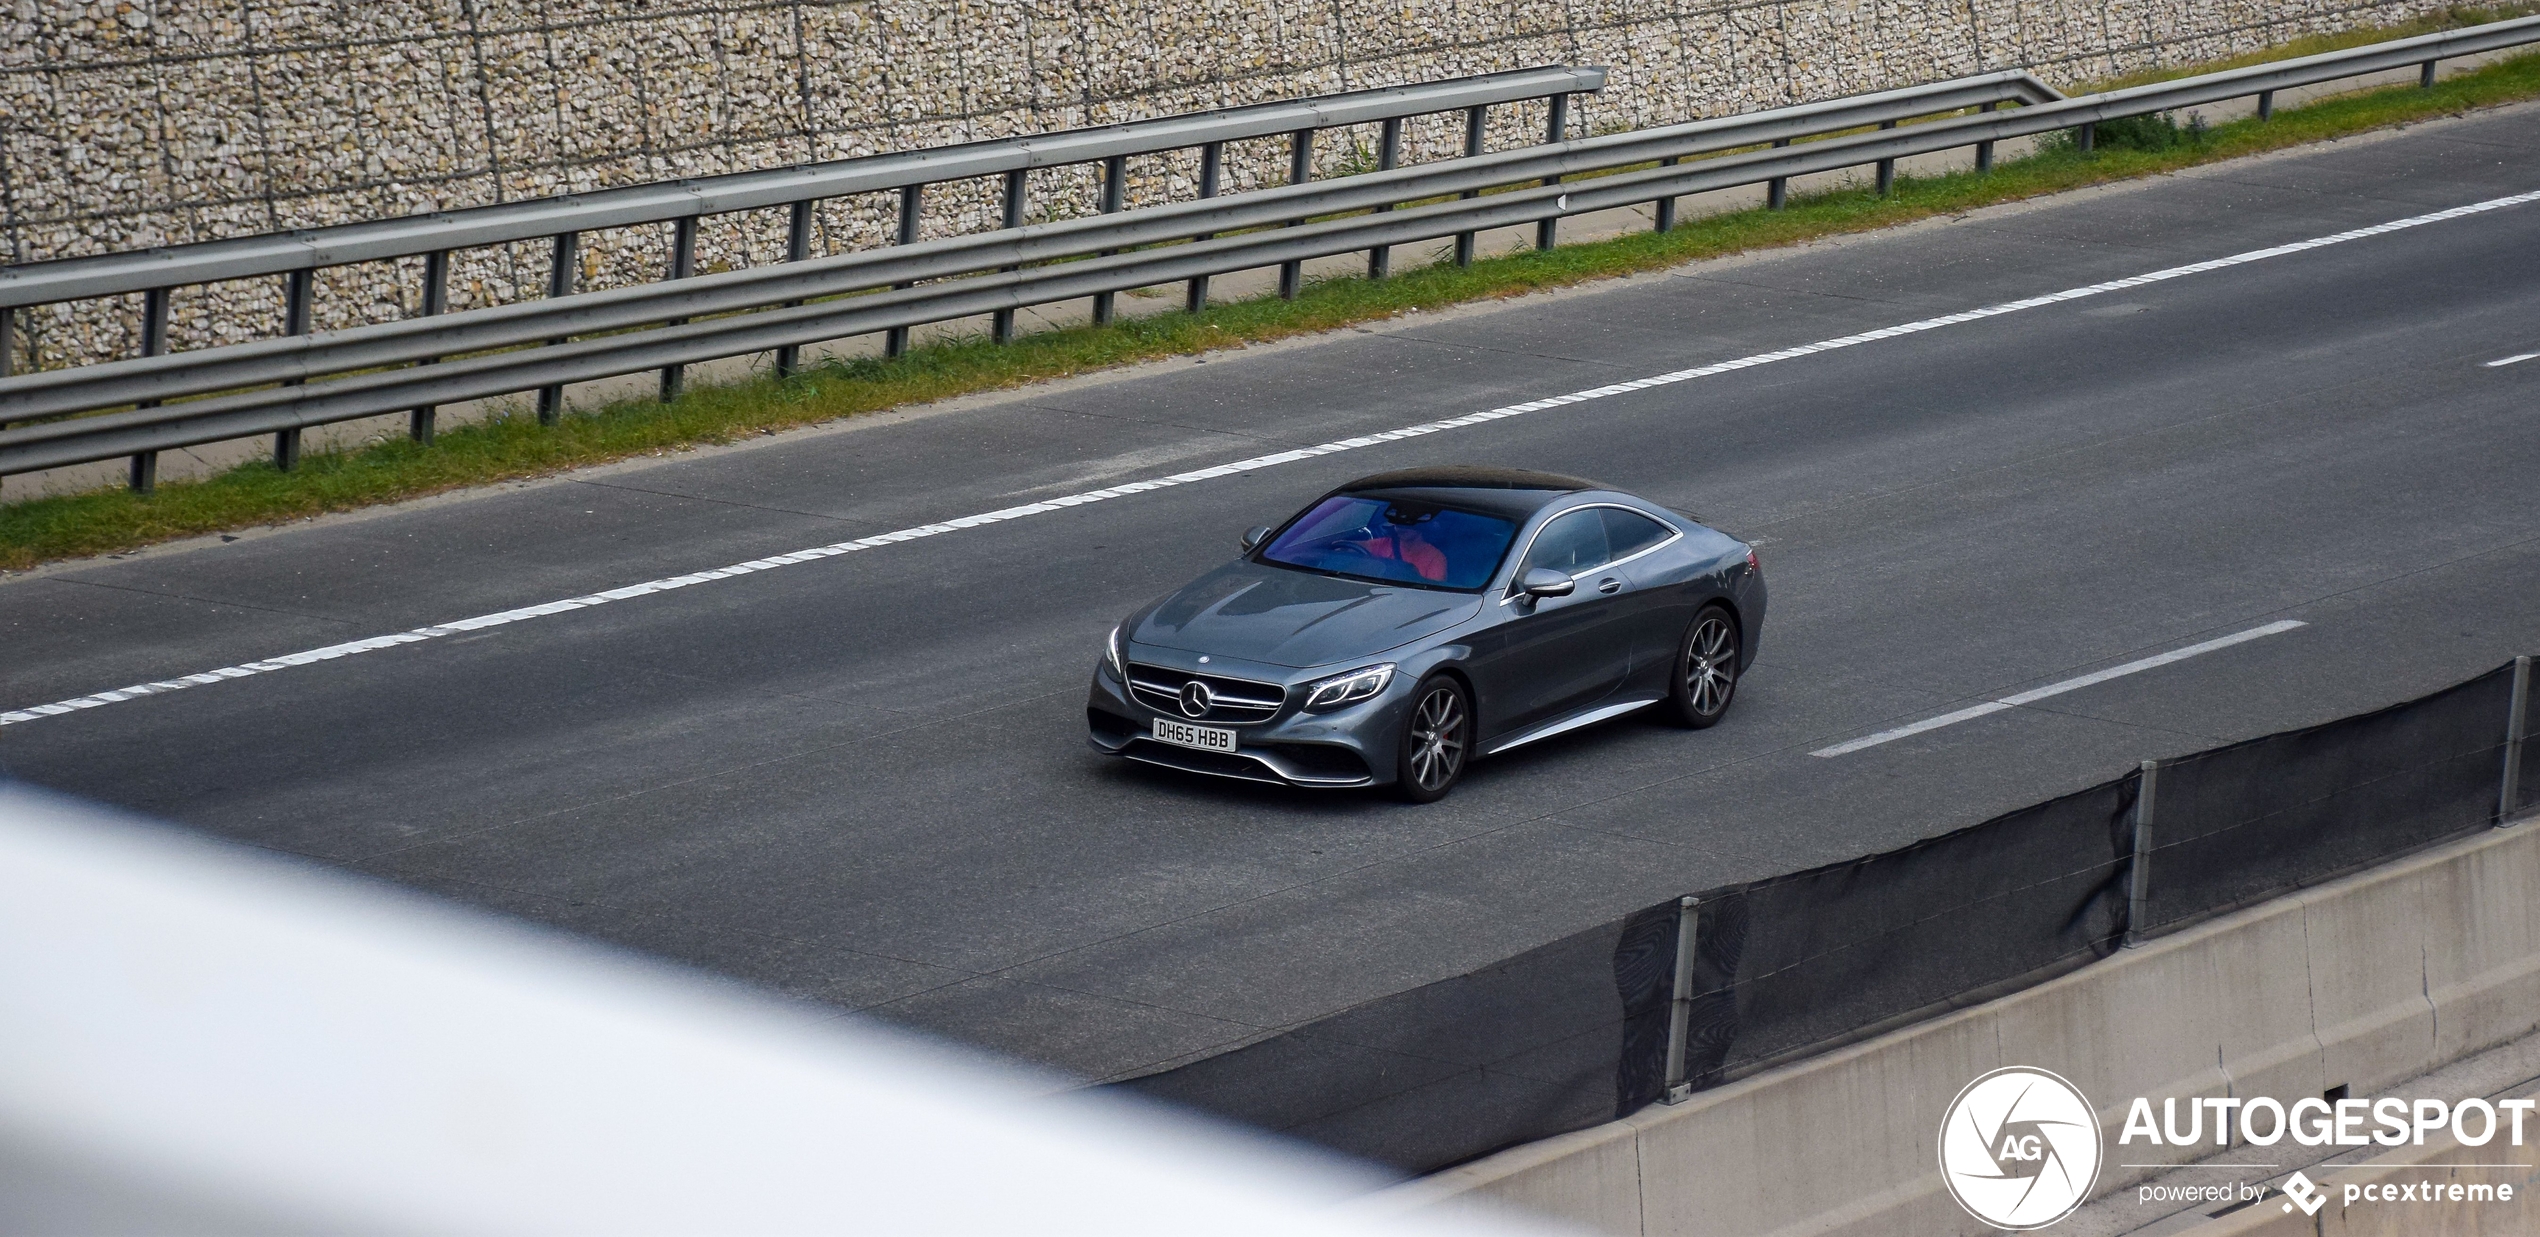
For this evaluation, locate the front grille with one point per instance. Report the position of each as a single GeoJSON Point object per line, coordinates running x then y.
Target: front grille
{"type": "Point", "coordinates": [1234, 701]}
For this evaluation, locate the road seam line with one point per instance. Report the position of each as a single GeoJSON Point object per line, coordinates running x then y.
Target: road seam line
{"type": "Point", "coordinates": [816, 553]}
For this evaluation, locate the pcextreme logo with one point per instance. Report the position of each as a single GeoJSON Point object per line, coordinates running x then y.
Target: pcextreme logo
{"type": "Point", "coordinates": [2020, 1148]}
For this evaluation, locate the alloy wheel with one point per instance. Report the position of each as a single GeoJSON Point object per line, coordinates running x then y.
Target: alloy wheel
{"type": "Point", "coordinates": [1437, 737]}
{"type": "Point", "coordinates": [1711, 665]}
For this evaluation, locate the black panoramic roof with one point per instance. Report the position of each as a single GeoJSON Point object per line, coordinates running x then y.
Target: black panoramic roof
{"type": "Point", "coordinates": [1470, 477]}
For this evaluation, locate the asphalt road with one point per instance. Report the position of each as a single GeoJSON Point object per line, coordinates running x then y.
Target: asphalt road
{"type": "Point", "coordinates": [862, 780]}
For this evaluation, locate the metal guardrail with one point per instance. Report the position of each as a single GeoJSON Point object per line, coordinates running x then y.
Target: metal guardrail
{"type": "Point", "coordinates": [374, 370]}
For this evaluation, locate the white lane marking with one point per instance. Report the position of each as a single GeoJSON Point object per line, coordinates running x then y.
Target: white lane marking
{"type": "Point", "coordinates": [1240, 466]}
{"type": "Point", "coordinates": [2502, 362]}
{"type": "Point", "coordinates": [2035, 694]}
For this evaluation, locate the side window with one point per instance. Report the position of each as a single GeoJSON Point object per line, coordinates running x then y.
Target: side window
{"type": "Point", "coordinates": [1629, 532]}
{"type": "Point", "coordinates": [1570, 544]}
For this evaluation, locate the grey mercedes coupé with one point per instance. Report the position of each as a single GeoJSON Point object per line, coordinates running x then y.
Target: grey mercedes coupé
{"type": "Point", "coordinates": [1406, 623]}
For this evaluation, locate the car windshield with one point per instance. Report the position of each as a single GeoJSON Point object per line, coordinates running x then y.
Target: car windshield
{"type": "Point", "coordinates": [1395, 540]}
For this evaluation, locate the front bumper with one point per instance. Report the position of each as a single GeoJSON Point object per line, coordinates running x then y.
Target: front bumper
{"type": "Point", "coordinates": [1344, 748]}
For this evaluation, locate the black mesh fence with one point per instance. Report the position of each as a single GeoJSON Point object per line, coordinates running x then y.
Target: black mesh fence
{"type": "Point", "coordinates": [1576, 1033]}
{"type": "Point", "coordinates": [2243, 823]}
{"type": "Point", "coordinates": [1821, 956]}
{"type": "Point", "coordinates": [1517, 1051]}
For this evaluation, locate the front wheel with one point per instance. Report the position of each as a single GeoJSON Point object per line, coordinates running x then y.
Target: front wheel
{"type": "Point", "coordinates": [1435, 740]}
{"type": "Point", "coordinates": [1706, 670]}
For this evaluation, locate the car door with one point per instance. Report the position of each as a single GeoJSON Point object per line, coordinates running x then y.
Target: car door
{"type": "Point", "coordinates": [1659, 605]}
{"type": "Point", "coordinates": [1557, 655]}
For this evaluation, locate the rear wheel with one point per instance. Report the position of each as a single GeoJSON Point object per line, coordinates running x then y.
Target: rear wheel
{"type": "Point", "coordinates": [1436, 737]}
{"type": "Point", "coordinates": [1706, 670]}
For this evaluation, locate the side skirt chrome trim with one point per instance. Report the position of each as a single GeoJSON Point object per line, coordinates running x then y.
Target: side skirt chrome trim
{"type": "Point", "coordinates": [1573, 722]}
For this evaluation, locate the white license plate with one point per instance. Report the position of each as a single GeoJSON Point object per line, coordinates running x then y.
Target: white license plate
{"type": "Point", "coordinates": [1183, 734]}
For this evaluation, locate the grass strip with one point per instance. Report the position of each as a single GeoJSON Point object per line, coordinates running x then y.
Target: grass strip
{"type": "Point", "coordinates": [513, 446]}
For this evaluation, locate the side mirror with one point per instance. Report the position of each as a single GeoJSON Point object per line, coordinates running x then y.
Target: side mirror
{"type": "Point", "coordinates": [1253, 539]}
{"type": "Point", "coordinates": [1545, 582]}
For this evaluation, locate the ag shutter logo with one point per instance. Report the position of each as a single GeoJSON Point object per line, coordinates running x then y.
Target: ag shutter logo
{"type": "Point", "coordinates": [2019, 1148]}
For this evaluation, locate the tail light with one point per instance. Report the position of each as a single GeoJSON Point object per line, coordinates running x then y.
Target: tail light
{"type": "Point", "coordinates": [1751, 564]}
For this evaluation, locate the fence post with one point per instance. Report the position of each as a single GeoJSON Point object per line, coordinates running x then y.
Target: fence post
{"type": "Point", "coordinates": [154, 342]}
{"type": "Point", "coordinates": [912, 207]}
{"type": "Point", "coordinates": [2138, 896]}
{"type": "Point", "coordinates": [2266, 105]}
{"type": "Point", "coordinates": [296, 291]}
{"type": "Point", "coordinates": [683, 263]}
{"type": "Point", "coordinates": [1388, 153]}
{"type": "Point", "coordinates": [436, 298]}
{"type": "Point", "coordinates": [1474, 119]}
{"type": "Point", "coordinates": [1001, 323]}
{"type": "Point", "coordinates": [1680, 1000]}
{"type": "Point", "coordinates": [2087, 136]}
{"type": "Point", "coordinates": [1887, 167]}
{"type": "Point", "coordinates": [2517, 724]}
{"type": "Point", "coordinates": [1212, 161]}
{"type": "Point", "coordinates": [1115, 189]}
{"type": "Point", "coordinates": [1666, 220]}
{"type": "Point", "coordinates": [1984, 150]}
{"type": "Point", "coordinates": [1556, 129]}
{"type": "Point", "coordinates": [1777, 190]}
{"type": "Point", "coordinates": [559, 285]}
{"type": "Point", "coordinates": [1300, 167]}
{"type": "Point", "coordinates": [2425, 77]}
{"type": "Point", "coordinates": [789, 357]}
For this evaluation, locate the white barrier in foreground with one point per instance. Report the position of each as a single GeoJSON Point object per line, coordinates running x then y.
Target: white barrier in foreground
{"type": "Point", "coordinates": [2364, 982]}
{"type": "Point", "coordinates": [197, 1037]}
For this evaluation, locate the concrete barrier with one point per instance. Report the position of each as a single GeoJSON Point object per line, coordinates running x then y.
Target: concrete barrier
{"type": "Point", "coordinates": [2363, 983]}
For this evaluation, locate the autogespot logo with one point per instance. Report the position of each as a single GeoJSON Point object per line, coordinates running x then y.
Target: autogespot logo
{"type": "Point", "coordinates": [2019, 1148]}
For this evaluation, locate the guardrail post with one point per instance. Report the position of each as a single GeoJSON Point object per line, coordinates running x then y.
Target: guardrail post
{"type": "Point", "coordinates": [683, 263]}
{"type": "Point", "coordinates": [1001, 323]}
{"type": "Point", "coordinates": [1887, 167]}
{"type": "Point", "coordinates": [2138, 897]}
{"type": "Point", "coordinates": [789, 357]}
{"type": "Point", "coordinates": [2425, 77]}
{"type": "Point", "coordinates": [2517, 724]}
{"type": "Point", "coordinates": [436, 299]}
{"type": "Point", "coordinates": [2086, 137]}
{"type": "Point", "coordinates": [1212, 163]}
{"type": "Point", "coordinates": [1777, 190]}
{"type": "Point", "coordinates": [912, 208]}
{"type": "Point", "coordinates": [1556, 128]}
{"type": "Point", "coordinates": [1300, 168]}
{"type": "Point", "coordinates": [559, 285]}
{"type": "Point", "coordinates": [154, 342]}
{"type": "Point", "coordinates": [2266, 105]}
{"type": "Point", "coordinates": [1666, 212]}
{"type": "Point", "coordinates": [1680, 1003]}
{"type": "Point", "coordinates": [1115, 176]}
{"type": "Point", "coordinates": [1984, 150]}
{"type": "Point", "coordinates": [1388, 153]}
{"type": "Point", "coordinates": [1475, 118]}
{"type": "Point", "coordinates": [296, 292]}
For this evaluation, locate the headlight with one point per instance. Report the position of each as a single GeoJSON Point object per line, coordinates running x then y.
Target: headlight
{"type": "Point", "coordinates": [1111, 656]}
{"type": "Point", "coordinates": [1348, 688]}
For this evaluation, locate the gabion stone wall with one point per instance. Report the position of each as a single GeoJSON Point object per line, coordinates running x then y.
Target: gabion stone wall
{"type": "Point", "coordinates": [132, 123]}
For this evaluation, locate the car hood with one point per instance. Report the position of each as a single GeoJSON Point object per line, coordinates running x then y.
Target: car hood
{"type": "Point", "coordinates": [1296, 618]}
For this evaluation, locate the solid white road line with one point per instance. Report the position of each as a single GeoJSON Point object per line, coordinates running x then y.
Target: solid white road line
{"type": "Point", "coordinates": [2501, 362]}
{"type": "Point", "coordinates": [2036, 694]}
{"type": "Point", "coordinates": [481, 622]}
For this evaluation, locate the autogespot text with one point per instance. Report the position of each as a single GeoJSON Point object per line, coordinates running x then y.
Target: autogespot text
{"type": "Point", "coordinates": [2315, 1122]}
